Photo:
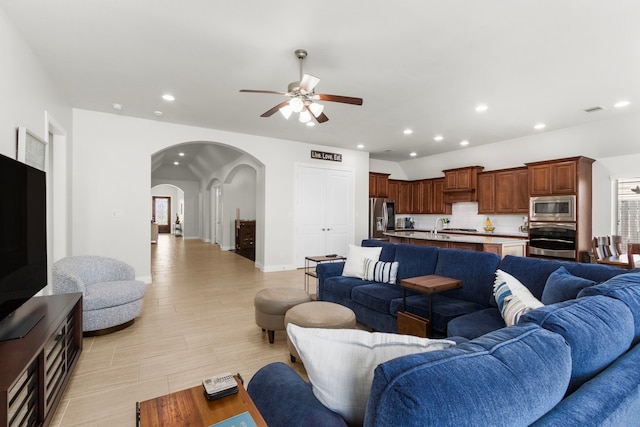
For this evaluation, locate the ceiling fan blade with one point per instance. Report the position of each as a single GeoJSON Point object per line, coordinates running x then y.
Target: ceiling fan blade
{"type": "Point", "coordinates": [320, 118]}
{"type": "Point", "coordinates": [308, 83]}
{"type": "Point", "coordinates": [272, 111]}
{"type": "Point", "coordinates": [338, 98]}
{"type": "Point", "coordinates": [263, 91]}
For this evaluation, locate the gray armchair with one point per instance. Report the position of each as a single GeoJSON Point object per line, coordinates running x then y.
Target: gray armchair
{"type": "Point", "coordinates": [111, 297]}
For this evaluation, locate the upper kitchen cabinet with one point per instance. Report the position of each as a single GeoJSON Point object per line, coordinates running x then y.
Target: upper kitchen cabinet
{"type": "Point", "coordinates": [393, 190]}
{"type": "Point", "coordinates": [438, 205]}
{"type": "Point", "coordinates": [404, 203]}
{"type": "Point", "coordinates": [504, 191]}
{"type": "Point", "coordinates": [460, 184]}
{"type": "Point", "coordinates": [556, 177]}
{"type": "Point", "coordinates": [378, 184]}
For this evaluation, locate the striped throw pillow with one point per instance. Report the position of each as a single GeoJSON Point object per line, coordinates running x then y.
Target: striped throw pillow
{"type": "Point", "coordinates": [512, 297]}
{"type": "Point", "coordinates": [378, 271]}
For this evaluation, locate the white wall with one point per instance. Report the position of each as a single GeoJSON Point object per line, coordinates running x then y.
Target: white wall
{"type": "Point", "coordinates": [112, 171]}
{"type": "Point", "coordinates": [29, 99]}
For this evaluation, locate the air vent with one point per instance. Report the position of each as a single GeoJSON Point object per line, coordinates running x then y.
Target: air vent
{"type": "Point", "coordinates": [594, 109]}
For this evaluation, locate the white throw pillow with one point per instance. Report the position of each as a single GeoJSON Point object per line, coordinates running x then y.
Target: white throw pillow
{"type": "Point", "coordinates": [354, 266]}
{"type": "Point", "coordinates": [340, 363]}
{"type": "Point", "coordinates": [512, 297]}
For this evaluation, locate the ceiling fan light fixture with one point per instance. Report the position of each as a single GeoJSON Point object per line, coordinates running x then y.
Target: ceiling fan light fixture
{"type": "Point", "coordinates": [286, 111]}
{"type": "Point", "coordinates": [304, 117]}
{"type": "Point", "coordinates": [296, 104]}
{"type": "Point", "coordinates": [316, 108]}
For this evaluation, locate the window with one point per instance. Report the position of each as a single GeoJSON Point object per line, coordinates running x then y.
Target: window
{"type": "Point", "coordinates": [629, 211]}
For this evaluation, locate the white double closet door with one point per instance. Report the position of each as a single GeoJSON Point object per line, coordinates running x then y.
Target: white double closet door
{"type": "Point", "coordinates": [324, 212]}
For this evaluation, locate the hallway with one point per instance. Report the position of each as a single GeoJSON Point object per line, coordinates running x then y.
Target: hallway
{"type": "Point", "coordinates": [197, 320]}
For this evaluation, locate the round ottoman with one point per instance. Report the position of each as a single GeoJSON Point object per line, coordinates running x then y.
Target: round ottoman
{"type": "Point", "coordinates": [271, 305]}
{"type": "Point", "coordinates": [318, 314]}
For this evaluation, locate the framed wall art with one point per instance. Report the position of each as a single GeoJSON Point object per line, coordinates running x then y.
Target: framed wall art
{"type": "Point", "coordinates": [31, 149]}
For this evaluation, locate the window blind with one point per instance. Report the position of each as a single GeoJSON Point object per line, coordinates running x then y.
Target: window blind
{"type": "Point", "coordinates": [629, 211]}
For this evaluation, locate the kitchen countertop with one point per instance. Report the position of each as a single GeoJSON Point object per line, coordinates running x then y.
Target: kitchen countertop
{"type": "Point", "coordinates": [461, 238]}
{"type": "Point", "coordinates": [515, 235]}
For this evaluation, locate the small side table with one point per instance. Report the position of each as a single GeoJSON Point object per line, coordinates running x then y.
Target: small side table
{"type": "Point", "coordinates": [429, 285]}
{"type": "Point", "coordinates": [310, 264]}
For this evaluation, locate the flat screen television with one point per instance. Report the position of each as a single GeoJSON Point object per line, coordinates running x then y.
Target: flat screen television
{"type": "Point", "coordinates": [23, 243]}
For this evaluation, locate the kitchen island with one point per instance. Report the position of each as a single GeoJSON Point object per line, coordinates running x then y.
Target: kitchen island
{"type": "Point", "coordinates": [499, 245]}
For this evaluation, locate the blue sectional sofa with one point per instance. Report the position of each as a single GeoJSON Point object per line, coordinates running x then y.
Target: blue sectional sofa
{"type": "Point", "coordinates": [468, 312]}
{"type": "Point", "coordinates": [570, 363]}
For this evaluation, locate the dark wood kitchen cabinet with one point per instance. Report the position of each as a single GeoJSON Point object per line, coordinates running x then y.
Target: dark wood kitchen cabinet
{"type": "Point", "coordinates": [503, 191]}
{"type": "Point", "coordinates": [558, 177]}
{"type": "Point", "coordinates": [378, 184]}
{"type": "Point", "coordinates": [460, 184]}
{"type": "Point", "coordinates": [404, 204]}
{"type": "Point", "coordinates": [438, 205]}
{"type": "Point", "coordinates": [393, 190]}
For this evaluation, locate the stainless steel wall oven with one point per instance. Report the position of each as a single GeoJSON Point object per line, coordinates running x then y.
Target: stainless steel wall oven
{"type": "Point", "coordinates": [553, 239]}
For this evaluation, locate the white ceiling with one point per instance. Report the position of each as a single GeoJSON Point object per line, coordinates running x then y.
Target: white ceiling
{"type": "Point", "coordinates": [419, 64]}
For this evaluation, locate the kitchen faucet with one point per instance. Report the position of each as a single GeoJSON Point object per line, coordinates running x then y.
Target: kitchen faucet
{"type": "Point", "coordinates": [435, 227]}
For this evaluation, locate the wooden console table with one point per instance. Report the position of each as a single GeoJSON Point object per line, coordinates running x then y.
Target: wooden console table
{"type": "Point", "coordinates": [190, 407]}
{"type": "Point", "coordinates": [430, 284]}
{"type": "Point", "coordinates": [35, 369]}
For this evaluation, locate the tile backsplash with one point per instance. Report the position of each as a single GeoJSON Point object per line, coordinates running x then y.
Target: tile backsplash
{"type": "Point", "coordinates": [465, 215]}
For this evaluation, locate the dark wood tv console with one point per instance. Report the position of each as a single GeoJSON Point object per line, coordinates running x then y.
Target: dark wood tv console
{"type": "Point", "coordinates": [35, 370]}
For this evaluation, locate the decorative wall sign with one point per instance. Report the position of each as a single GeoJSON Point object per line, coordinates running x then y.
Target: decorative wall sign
{"type": "Point", "coordinates": [31, 149]}
{"type": "Point", "coordinates": [323, 155]}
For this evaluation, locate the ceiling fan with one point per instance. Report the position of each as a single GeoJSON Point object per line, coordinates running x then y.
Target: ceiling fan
{"type": "Point", "coordinates": [303, 99]}
{"type": "Point", "coordinates": [636, 190]}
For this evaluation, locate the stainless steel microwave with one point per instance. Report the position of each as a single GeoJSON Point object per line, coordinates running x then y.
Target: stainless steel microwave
{"type": "Point", "coordinates": [552, 208]}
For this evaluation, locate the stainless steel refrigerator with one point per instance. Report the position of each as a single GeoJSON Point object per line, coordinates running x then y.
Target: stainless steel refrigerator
{"type": "Point", "coordinates": [382, 213]}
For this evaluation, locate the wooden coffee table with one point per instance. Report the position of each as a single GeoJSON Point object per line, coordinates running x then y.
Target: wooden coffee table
{"type": "Point", "coordinates": [190, 407]}
{"type": "Point", "coordinates": [430, 284]}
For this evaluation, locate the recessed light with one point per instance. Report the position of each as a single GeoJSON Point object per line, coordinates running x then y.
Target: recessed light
{"type": "Point", "coordinates": [438, 138]}
{"type": "Point", "coordinates": [407, 131]}
{"type": "Point", "coordinates": [464, 143]}
{"type": "Point", "coordinates": [361, 146]}
{"type": "Point", "coordinates": [310, 124]}
{"type": "Point", "coordinates": [117, 106]}
{"type": "Point", "coordinates": [176, 163]}
{"type": "Point", "coordinates": [621, 104]}
{"type": "Point", "coordinates": [181, 154]}
{"type": "Point", "coordinates": [539, 126]}
{"type": "Point", "coordinates": [481, 108]}
{"type": "Point", "coordinates": [168, 97]}
{"type": "Point", "coordinates": [413, 154]}
{"type": "Point", "coordinates": [158, 113]}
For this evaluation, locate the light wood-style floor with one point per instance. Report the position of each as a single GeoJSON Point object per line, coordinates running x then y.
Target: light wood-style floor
{"type": "Point", "coordinates": [197, 321]}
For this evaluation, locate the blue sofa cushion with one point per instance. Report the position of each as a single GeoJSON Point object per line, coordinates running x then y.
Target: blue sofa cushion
{"type": "Point", "coordinates": [598, 329]}
{"type": "Point", "coordinates": [342, 285]}
{"type": "Point", "coordinates": [562, 286]}
{"type": "Point", "coordinates": [376, 296]}
{"type": "Point", "coordinates": [626, 288]}
{"type": "Point", "coordinates": [475, 269]}
{"type": "Point", "coordinates": [509, 377]}
{"type": "Point", "coordinates": [388, 249]}
{"type": "Point", "coordinates": [414, 261]}
{"type": "Point", "coordinates": [444, 309]}
{"type": "Point", "coordinates": [610, 399]}
{"type": "Point", "coordinates": [475, 324]}
{"type": "Point", "coordinates": [278, 379]}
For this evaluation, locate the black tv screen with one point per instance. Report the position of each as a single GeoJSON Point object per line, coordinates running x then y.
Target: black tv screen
{"type": "Point", "coordinates": [23, 234]}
